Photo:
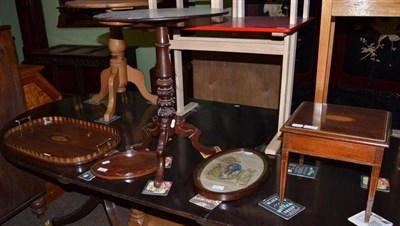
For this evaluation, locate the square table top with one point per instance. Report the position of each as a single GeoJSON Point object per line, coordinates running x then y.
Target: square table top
{"type": "Point", "coordinates": [341, 122]}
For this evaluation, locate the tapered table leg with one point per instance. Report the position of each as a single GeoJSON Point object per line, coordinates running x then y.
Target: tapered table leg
{"type": "Point", "coordinates": [283, 174]}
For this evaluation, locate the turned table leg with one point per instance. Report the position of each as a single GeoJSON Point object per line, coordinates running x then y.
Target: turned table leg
{"type": "Point", "coordinates": [166, 124]}
{"type": "Point", "coordinates": [114, 79]}
{"type": "Point", "coordinates": [138, 218]}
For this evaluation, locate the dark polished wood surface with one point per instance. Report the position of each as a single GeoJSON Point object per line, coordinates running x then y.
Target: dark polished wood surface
{"type": "Point", "coordinates": [339, 122]}
{"type": "Point", "coordinates": [154, 16]}
{"type": "Point", "coordinates": [334, 196]}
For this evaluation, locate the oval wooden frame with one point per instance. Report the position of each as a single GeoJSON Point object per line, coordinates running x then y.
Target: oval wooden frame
{"type": "Point", "coordinates": [233, 195]}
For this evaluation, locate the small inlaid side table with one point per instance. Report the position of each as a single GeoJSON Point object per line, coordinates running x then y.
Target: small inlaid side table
{"type": "Point", "coordinates": [350, 134]}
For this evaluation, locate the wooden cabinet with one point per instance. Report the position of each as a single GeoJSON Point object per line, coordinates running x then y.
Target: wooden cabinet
{"type": "Point", "coordinates": [18, 188]}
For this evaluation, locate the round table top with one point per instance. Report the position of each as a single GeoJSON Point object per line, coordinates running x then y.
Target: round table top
{"type": "Point", "coordinates": [105, 4]}
{"type": "Point", "coordinates": [158, 15]}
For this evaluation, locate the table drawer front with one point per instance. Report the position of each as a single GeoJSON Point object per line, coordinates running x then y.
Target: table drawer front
{"type": "Point", "coordinates": [333, 149]}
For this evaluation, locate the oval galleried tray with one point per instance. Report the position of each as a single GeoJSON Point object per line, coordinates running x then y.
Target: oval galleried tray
{"type": "Point", "coordinates": [126, 165]}
{"type": "Point", "coordinates": [62, 140]}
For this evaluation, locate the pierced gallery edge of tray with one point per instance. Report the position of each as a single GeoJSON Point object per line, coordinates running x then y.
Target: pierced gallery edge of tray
{"type": "Point", "coordinates": [62, 140]}
{"type": "Point", "coordinates": [231, 174]}
{"type": "Point", "coordinates": [126, 165]}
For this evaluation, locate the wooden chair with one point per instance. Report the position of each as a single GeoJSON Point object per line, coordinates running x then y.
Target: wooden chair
{"type": "Point", "coordinates": [343, 8]}
{"type": "Point", "coordinates": [284, 33]}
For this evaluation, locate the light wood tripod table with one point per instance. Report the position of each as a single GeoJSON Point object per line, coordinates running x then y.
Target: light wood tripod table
{"type": "Point", "coordinates": [345, 133]}
{"type": "Point", "coordinates": [115, 78]}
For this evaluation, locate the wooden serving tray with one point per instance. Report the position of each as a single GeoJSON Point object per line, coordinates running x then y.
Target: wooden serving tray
{"type": "Point", "coordinates": [126, 165]}
{"type": "Point", "coordinates": [61, 140]}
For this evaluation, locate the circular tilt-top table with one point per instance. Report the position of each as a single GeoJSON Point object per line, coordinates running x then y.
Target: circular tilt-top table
{"type": "Point", "coordinates": [166, 124]}
{"type": "Point", "coordinates": [114, 79]}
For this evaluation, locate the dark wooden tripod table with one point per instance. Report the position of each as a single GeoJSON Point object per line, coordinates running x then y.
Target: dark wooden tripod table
{"type": "Point", "coordinates": [166, 124]}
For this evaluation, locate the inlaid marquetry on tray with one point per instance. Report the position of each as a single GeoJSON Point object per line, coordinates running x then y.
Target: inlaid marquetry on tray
{"type": "Point", "coordinates": [61, 140]}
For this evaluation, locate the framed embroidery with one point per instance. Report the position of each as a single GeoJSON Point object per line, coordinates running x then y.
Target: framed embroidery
{"type": "Point", "coordinates": [232, 174]}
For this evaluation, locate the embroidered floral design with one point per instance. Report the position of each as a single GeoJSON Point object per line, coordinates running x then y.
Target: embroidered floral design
{"type": "Point", "coordinates": [387, 28]}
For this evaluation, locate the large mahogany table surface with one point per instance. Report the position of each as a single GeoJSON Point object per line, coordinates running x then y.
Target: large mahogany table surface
{"type": "Point", "coordinates": [329, 199]}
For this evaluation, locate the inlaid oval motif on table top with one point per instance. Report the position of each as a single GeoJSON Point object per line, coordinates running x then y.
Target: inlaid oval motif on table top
{"type": "Point", "coordinates": [62, 140]}
{"type": "Point", "coordinates": [339, 118]}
